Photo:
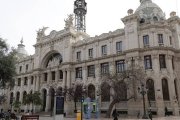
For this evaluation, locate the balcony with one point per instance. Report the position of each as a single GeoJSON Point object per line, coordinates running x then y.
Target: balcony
{"type": "Point", "coordinates": [122, 105]}
{"type": "Point", "coordinates": [104, 105]}
{"type": "Point", "coordinates": [167, 104]}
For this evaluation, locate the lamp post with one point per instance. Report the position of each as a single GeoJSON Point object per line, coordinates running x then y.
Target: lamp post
{"type": "Point", "coordinates": [143, 92]}
{"type": "Point", "coordinates": [150, 113]}
{"type": "Point", "coordinates": [82, 100]}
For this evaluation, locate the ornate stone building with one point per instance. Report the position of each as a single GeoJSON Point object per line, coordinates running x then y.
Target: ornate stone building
{"type": "Point", "coordinates": [71, 56]}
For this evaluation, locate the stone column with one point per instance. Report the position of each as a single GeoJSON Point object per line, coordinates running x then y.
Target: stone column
{"type": "Point", "coordinates": [22, 81]}
{"type": "Point", "coordinates": [47, 102]}
{"type": "Point", "coordinates": [84, 73]}
{"type": "Point", "coordinates": [172, 93]}
{"type": "Point", "coordinates": [37, 82]}
{"type": "Point", "coordinates": [49, 77]}
{"type": "Point", "coordinates": [97, 72]}
{"type": "Point", "coordinates": [112, 68]}
{"type": "Point", "coordinates": [42, 78]}
{"type": "Point", "coordinates": [158, 85]}
{"type": "Point", "coordinates": [34, 83]}
{"type": "Point", "coordinates": [64, 78]}
{"type": "Point", "coordinates": [29, 83]}
{"type": "Point", "coordinates": [174, 102]}
{"type": "Point", "coordinates": [68, 78]}
{"type": "Point", "coordinates": [57, 75]}
{"type": "Point", "coordinates": [21, 97]}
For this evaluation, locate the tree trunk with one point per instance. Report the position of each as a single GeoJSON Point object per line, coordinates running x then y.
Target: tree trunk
{"type": "Point", "coordinates": [32, 108]}
{"type": "Point", "coordinates": [108, 114]}
{"type": "Point", "coordinates": [75, 106]}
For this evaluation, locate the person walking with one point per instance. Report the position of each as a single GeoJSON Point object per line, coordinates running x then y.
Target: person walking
{"type": "Point", "coordinates": [166, 111]}
{"type": "Point", "coordinates": [115, 114]}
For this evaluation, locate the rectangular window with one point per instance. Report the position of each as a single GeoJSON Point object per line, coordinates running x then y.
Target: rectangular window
{"type": "Point", "coordinates": [160, 39]}
{"type": "Point", "coordinates": [45, 76]}
{"type": "Point", "coordinates": [91, 71]}
{"type": "Point", "coordinates": [119, 46]}
{"type": "Point", "coordinates": [60, 74]}
{"type": "Point", "coordinates": [90, 53]}
{"type": "Point", "coordinates": [162, 61]}
{"type": "Point", "coordinates": [20, 69]}
{"type": "Point", "coordinates": [146, 40]}
{"type": "Point", "coordinates": [120, 66]}
{"type": "Point", "coordinates": [19, 81]}
{"type": "Point", "coordinates": [25, 80]}
{"type": "Point", "coordinates": [78, 55]}
{"type": "Point", "coordinates": [32, 80]}
{"type": "Point", "coordinates": [104, 68]}
{"type": "Point", "coordinates": [53, 75]}
{"type": "Point", "coordinates": [27, 67]}
{"type": "Point", "coordinates": [79, 72]}
{"type": "Point", "coordinates": [147, 62]}
{"type": "Point", "coordinates": [170, 40]}
{"type": "Point", "coordinates": [104, 50]}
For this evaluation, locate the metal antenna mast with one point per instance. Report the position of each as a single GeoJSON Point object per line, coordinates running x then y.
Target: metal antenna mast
{"type": "Point", "coordinates": [80, 11]}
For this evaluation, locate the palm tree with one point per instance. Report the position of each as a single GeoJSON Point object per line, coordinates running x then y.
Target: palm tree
{"type": "Point", "coordinates": [33, 98]}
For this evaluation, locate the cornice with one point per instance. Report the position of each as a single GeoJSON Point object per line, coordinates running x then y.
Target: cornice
{"type": "Point", "coordinates": [140, 50]}
{"type": "Point", "coordinates": [28, 58]}
{"type": "Point", "coordinates": [126, 52]}
{"type": "Point", "coordinates": [173, 20]}
{"type": "Point", "coordinates": [102, 37]}
{"type": "Point", "coordinates": [55, 37]}
{"type": "Point", "coordinates": [157, 25]}
{"type": "Point", "coordinates": [129, 18]}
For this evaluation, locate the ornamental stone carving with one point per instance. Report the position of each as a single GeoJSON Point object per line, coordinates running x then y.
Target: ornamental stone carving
{"type": "Point", "coordinates": [69, 21]}
{"type": "Point", "coordinates": [41, 33]}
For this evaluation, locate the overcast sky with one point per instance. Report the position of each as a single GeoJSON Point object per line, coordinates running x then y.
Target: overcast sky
{"type": "Point", "coordinates": [22, 18]}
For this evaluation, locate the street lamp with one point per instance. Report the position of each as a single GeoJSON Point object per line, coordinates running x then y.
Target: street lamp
{"type": "Point", "coordinates": [150, 113]}
{"type": "Point", "coordinates": [82, 100]}
{"type": "Point", "coordinates": [143, 92]}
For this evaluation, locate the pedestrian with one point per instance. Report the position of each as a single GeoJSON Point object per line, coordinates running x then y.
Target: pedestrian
{"type": "Point", "coordinates": [150, 115]}
{"type": "Point", "coordinates": [138, 114]}
{"type": "Point", "coordinates": [166, 111]}
{"type": "Point", "coordinates": [115, 114]}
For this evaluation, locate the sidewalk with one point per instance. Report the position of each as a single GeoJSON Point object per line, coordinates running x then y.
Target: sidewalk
{"type": "Point", "coordinates": [160, 118]}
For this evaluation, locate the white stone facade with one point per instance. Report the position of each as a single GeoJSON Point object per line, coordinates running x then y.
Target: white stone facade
{"type": "Point", "coordinates": [55, 62]}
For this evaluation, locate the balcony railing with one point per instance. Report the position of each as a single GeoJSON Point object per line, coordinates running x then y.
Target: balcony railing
{"type": "Point", "coordinates": [122, 105]}
{"type": "Point", "coordinates": [167, 104]}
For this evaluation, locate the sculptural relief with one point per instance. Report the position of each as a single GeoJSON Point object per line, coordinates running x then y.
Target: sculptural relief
{"type": "Point", "coordinates": [41, 33]}
{"type": "Point", "coordinates": [69, 21]}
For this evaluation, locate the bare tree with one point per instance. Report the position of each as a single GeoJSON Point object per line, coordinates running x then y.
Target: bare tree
{"type": "Point", "coordinates": [75, 93]}
{"type": "Point", "coordinates": [121, 82]}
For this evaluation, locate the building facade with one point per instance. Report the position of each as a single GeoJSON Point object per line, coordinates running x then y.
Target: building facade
{"type": "Point", "coordinates": [69, 57]}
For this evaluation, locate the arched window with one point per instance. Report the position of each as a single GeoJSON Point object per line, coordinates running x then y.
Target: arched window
{"type": "Point", "coordinates": [17, 96]}
{"type": "Point", "coordinates": [165, 90]}
{"type": "Point", "coordinates": [54, 60]}
{"type": "Point", "coordinates": [52, 94]}
{"type": "Point", "coordinates": [59, 91]}
{"type": "Point", "coordinates": [11, 98]}
{"type": "Point", "coordinates": [105, 92]}
{"type": "Point", "coordinates": [91, 92]}
{"type": "Point", "coordinates": [24, 95]}
{"type": "Point", "coordinates": [151, 92]}
{"type": "Point", "coordinates": [142, 21]}
{"type": "Point", "coordinates": [122, 91]}
{"type": "Point", "coordinates": [44, 92]}
{"type": "Point", "coordinates": [155, 18]}
{"type": "Point", "coordinates": [176, 91]}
